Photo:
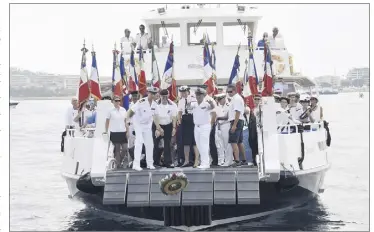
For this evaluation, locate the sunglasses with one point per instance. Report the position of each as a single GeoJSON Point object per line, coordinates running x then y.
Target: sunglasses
{"type": "Point", "coordinates": [230, 91]}
{"type": "Point", "coordinates": [141, 28]}
{"type": "Point", "coordinates": [257, 99]}
{"type": "Point", "coordinates": [117, 100]}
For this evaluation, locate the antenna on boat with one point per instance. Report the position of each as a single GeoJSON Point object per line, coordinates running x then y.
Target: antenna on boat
{"type": "Point", "coordinates": [196, 26]}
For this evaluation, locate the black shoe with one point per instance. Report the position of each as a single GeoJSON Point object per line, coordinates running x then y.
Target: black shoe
{"type": "Point", "coordinates": [235, 164]}
{"type": "Point", "coordinates": [243, 162]}
{"type": "Point", "coordinates": [187, 165]}
{"type": "Point", "coordinates": [168, 166]}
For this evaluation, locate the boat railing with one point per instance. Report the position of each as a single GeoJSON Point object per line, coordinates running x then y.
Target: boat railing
{"type": "Point", "coordinates": [293, 128]}
{"type": "Point", "coordinates": [81, 132]}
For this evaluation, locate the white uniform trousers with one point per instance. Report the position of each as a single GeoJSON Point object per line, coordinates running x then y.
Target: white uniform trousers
{"type": "Point", "coordinates": [143, 134]}
{"type": "Point", "coordinates": [224, 149]}
{"type": "Point", "coordinates": [202, 134]}
{"type": "Point", "coordinates": [131, 138]}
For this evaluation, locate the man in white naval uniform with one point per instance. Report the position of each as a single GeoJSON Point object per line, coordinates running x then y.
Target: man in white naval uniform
{"type": "Point", "coordinates": [144, 111]}
{"type": "Point", "coordinates": [222, 131]}
{"type": "Point", "coordinates": [201, 111]}
{"type": "Point", "coordinates": [143, 39]}
{"type": "Point", "coordinates": [127, 41]}
{"type": "Point", "coordinates": [130, 127]}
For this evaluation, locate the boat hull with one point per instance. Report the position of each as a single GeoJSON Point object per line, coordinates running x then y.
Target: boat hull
{"type": "Point", "coordinates": [290, 191]}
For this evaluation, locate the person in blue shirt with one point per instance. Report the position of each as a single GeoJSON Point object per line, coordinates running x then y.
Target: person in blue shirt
{"type": "Point", "coordinates": [261, 43]}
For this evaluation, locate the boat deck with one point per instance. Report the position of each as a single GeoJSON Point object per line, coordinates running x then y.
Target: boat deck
{"type": "Point", "coordinates": [216, 185]}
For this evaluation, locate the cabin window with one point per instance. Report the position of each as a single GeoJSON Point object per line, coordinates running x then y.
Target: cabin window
{"type": "Point", "coordinates": [233, 33]}
{"type": "Point", "coordinates": [197, 39]}
{"type": "Point", "coordinates": [161, 40]}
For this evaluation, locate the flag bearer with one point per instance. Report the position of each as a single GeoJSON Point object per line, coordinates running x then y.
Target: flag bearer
{"type": "Point", "coordinates": [145, 114]}
{"type": "Point", "coordinates": [201, 111]}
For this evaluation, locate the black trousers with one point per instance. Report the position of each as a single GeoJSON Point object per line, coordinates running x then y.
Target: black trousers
{"type": "Point", "coordinates": [168, 129]}
{"type": "Point", "coordinates": [212, 146]}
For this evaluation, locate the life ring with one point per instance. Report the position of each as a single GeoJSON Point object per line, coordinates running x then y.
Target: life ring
{"type": "Point", "coordinates": [112, 164]}
{"type": "Point", "coordinates": [173, 183]}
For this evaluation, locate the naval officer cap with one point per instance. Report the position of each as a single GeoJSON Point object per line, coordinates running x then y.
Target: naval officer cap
{"type": "Point", "coordinates": [183, 88]}
{"type": "Point", "coordinates": [314, 97]}
{"type": "Point", "coordinates": [220, 96]}
{"type": "Point", "coordinates": [285, 98]}
{"type": "Point", "coordinates": [164, 92]}
{"type": "Point", "coordinates": [200, 91]}
{"type": "Point", "coordinates": [152, 89]}
{"type": "Point", "coordinates": [291, 94]}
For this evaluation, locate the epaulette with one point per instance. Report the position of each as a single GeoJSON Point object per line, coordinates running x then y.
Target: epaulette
{"type": "Point", "coordinates": [142, 100]}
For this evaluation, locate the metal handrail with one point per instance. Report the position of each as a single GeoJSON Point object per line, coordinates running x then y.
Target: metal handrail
{"type": "Point", "coordinates": [288, 126]}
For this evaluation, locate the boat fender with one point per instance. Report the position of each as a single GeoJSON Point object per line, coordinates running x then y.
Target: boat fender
{"type": "Point", "coordinates": [326, 126]}
{"type": "Point", "coordinates": [85, 185]}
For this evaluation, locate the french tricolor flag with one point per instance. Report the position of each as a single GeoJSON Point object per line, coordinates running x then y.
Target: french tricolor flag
{"type": "Point", "coordinates": [208, 70]}
{"type": "Point", "coordinates": [168, 81]}
{"type": "Point", "coordinates": [84, 89]}
{"type": "Point", "coordinates": [268, 73]}
{"type": "Point", "coordinates": [142, 79]}
{"type": "Point", "coordinates": [234, 77]}
{"type": "Point", "coordinates": [133, 79]}
{"type": "Point", "coordinates": [94, 79]}
{"type": "Point", "coordinates": [247, 93]}
{"type": "Point", "coordinates": [116, 75]}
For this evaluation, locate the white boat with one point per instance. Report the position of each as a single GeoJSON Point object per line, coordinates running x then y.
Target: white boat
{"type": "Point", "coordinates": [291, 166]}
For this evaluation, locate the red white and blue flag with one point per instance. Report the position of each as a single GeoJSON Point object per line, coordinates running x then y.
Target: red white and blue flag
{"type": "Point", "coordinates": [125, 100]}
{"type": "Point", "coordinates": [252, 72]}
{"type": "Point", "coordinates": [168, 81]}
{"type": "Point", "coordinates": [209, 74]}
{"type": "Point", "coordinates": [116, 76]}
{"type": "Point", "coordinates": [84, 89]}
{"type": "Point", "coordinates": [234, 77]}
{"type": "Point", "coordinates": [268, 74]}
{"type": "Point", "coordinates": [94, 79]}
{"type": "Point", "coordinates": [247, 93]}
{"type": "Point", "coordinates": [142, 80]}
{"type": "Point", "coordinates": [156, 81]}
{"type": "Point", "coordinates": [133, 79]}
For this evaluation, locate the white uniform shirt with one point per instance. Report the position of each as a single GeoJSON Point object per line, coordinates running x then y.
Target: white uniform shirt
{"type": "Point", "coordinates": [126, 44]}
{"type": "Point", "coordinates": [182, 104]}
{"type": "Point", "coordinates": [117, 119]}
{"type": "Point", "coordinates": [316, 114]}
{"type": "Point", "coordinates": [296, 111]}
{"type": "Point", "coordinates": [142, 40]}
{"type": "Point", "coordinates": [70, 115]}
{"type": "Point", "coordinates": [201, 113]}
{"type": "Point", "coordinates": [144, 112]}
{"type": "Point", "coordinates": [277, 42]}
{"type": "Point", "coordinates": [236, 104]}
{"type": "Point", "coordinates": [222, 111]}
{"type": "Point", "coordinates": [166, 112]}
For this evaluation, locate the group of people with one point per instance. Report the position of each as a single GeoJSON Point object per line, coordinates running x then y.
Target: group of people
{"type": "Point", "coordinates": [198, 131]}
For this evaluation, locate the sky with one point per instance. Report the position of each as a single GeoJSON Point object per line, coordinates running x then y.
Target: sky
{"type": "Point", "coordinates": [324, 39]}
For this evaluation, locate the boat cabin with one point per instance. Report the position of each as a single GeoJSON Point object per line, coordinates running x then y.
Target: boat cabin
{"type": "Point", "coordinates": [226, 27]}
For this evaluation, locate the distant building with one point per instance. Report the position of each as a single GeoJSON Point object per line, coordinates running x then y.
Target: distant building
{"type": "Point", "coordinates": [328, 81]}
{"type": "Point", "coordinates": [359, 76]}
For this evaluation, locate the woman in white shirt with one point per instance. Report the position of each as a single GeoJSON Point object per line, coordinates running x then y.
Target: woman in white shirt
{"type": "Point", "coordinates": [115, 123]}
